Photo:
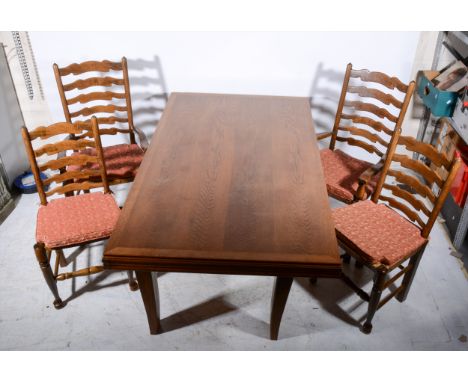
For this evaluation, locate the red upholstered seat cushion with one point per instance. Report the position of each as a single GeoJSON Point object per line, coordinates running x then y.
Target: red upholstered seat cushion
{"type": "Point", "coordinates": [383, 235]}
{"type": "Point", "coordinates": [76, 219]}
{"type": "Point", "coordinates": [342, 173]}
{"type": "Point", "coordinates": [122, 160]}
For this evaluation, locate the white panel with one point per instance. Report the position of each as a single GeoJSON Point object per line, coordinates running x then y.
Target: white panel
{"type": "Point", "coordinates": [12, 150]}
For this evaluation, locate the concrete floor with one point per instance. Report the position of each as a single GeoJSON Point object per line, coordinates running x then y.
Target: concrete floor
{"type": "Point", "coordinates": [217, 312]}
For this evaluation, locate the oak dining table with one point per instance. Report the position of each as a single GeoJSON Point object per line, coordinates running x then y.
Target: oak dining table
{"type": "Point", "coordinates": [230, 184]}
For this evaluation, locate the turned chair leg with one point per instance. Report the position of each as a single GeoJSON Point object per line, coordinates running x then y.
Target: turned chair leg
{"type": "Point", "coordinates": [373, 302]}
{"type": "Point", "coordinates": [132, 283]}
{"type": "Point", "coordinates": [43, 261]}
{"type": "Point", "coordinates": [408, 278]}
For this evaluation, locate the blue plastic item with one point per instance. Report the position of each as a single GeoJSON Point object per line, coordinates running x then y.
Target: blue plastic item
{"type": "Point", "coordinates": [440, 102]}
{"type": "Point", "coordinates": [26, 184]}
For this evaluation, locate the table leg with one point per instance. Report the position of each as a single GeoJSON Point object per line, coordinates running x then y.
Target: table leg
{"type": "Point", "coordinates": [278, 302]}
{"type": "Point", "coordinates": [148, 283]}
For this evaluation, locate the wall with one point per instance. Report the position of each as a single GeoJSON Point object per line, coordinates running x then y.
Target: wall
{"type": "Point", "coordinates": [231, 62]}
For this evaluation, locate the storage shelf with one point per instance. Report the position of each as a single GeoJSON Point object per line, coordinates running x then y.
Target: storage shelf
{"type": "Point", "coordinates": [456, 218]}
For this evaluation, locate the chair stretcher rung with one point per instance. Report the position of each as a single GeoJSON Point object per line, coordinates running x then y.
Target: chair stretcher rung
{"type": "Point", "coordinates": [56, 267]}
{"type": "Point", "coordinates": [389, 296]}
{"type": "Point", "coordinates": [81, 272]}
{"type": "Point", "coordinates": [396, 277]}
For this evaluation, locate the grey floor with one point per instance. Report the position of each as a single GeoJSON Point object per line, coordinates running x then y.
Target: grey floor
{"type": "Point", "coordinates": [212, 312]}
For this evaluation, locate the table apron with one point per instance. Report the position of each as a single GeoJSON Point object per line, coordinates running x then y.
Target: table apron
{"type": "Point", "coordinates": [260, 269]}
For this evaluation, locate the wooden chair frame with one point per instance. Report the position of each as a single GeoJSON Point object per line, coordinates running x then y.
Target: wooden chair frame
{"type": "Point", "coordinates": [66, 184]}
{"type": "Point", "coordinates": [108, 96]}
{"type": "Point", "coordinates": [370, 138]}
{"type": "Point", "coordinates": [382, 278]}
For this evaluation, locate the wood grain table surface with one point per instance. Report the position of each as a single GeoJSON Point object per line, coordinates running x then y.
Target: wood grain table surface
{"type": "Point", "coordinates": [230, 184]}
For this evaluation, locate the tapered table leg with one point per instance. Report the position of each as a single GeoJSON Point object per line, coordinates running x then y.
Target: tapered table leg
{"type": "Point", "coordinates": [278, 302]}
{"type": "Point", "coordinates": [148, 284]}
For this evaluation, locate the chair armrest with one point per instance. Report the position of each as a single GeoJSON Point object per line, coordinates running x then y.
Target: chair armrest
{"type": "Point", "coordinates": [144, 143]}
{"type": "Point", "coordinates": [323, 136]}
{"type": "Point", "coordinates": [366, 177]}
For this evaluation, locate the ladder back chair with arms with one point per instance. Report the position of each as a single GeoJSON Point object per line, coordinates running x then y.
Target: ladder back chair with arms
{"type": "Point", "coordinates": [112, 106]}
{"type": "Point", "coordinates": [350, 179]}
{"type": "Point", "coordinates": [74, 220]}
{"type": "Point", "coordinates": [394, 226]}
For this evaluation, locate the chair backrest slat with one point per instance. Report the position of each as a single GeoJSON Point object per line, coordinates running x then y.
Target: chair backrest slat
{"type": "Point", "coordinates": [115, 97]}
{"type": "Point", "coordinates": [377, 126]}
{"type": "Point", "coordinates": [45, 132]}
{"type": "Point", "coordinates": [93, 81]}
{"type": "Point", "coordinates": [90, 66]}
{"type": "Point", "coordinates": [363, 145]}
{"type": "Point", "coordinates": [103, 121]}
{"type": "Point", "coordinates": [84, 152]}
{"type": "Point", "coordinates": [371, 108]}
{"type": "Point", "coordinates": [385, 98]}
{"type": "Point", "coordinates": [95, 96]}
{"type": "Point", "coordinates": [71, 175]}
{"type": "Point", "coordinates": [80, 186]}
{"type": "Point", "coordinates": [106, 131]}
{"type": "Point", "coordinates": [97, 109]}
{"type": "Point", "coordinates": [364, 133]}
{"type": "Point", "coordinates": [55, 148]}
{"type": "Point", "coordinates": [381, 78]}
{"type": "Point", "coordinates": [75, 160]}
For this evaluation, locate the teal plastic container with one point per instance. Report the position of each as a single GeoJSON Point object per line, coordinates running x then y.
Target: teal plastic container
{"type": "Point", "coordinates": [441, 103]}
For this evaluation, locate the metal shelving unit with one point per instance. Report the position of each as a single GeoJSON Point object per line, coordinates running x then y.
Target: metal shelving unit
{"type": "Point", "coordinates": [456, 43]}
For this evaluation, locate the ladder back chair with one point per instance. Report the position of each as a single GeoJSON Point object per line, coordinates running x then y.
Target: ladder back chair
{"type": "Point", "coordinates": [393, 227]}
{"type": "Point", "coordinates": [350, 179]}
{"type": "Point", "coordinates": [107, 98]}
{"type": "Point", "coordinates": [74, 220]}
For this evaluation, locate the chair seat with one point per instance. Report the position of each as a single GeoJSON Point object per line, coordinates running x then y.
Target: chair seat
{"type": "Point", "coordinates": [342, 173]}
{"type": "Point", "coordinates": [76, 219]}
{"type": "Point", "coordinates": [122, 161]}
{"type": "Point", "coordinates": [381, 234]}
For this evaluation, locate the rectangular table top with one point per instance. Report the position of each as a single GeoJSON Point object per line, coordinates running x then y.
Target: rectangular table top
{"type": "Point", "coordinates": [230, 184]}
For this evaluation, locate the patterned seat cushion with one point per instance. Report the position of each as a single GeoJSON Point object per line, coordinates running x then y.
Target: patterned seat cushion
{"type": "Point", "coordinates": [383, 235]}
{"type": "Point", "coordinates": [342, 173]}
{"type": "Point", "coordinates": [122, 161]}
{"type": "Point", "coordinates": [76, 219]}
